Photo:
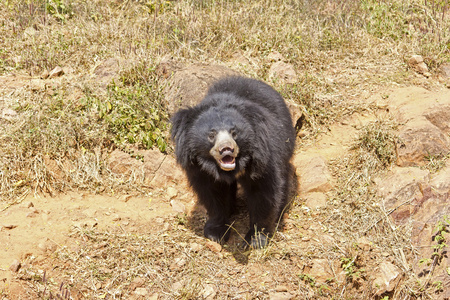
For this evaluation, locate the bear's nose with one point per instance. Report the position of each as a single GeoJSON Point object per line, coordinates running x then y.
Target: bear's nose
{"type": "Point", "coordinates": [226, 148]}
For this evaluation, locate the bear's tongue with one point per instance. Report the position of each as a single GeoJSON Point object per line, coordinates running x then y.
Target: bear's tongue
{"type": "Point", "coordinates": [228, 159]}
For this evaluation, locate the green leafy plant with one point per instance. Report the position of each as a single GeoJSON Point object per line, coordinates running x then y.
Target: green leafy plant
{"type": "Point", "coordinates": [351, 270]}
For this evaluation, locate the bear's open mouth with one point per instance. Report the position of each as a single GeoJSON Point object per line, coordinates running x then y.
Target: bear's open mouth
{"type": "Point", "coordinates": [227, 163]}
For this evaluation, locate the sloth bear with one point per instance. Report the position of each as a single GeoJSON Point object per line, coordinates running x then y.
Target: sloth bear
{"type": "Point", "coordinates": [241, 132]}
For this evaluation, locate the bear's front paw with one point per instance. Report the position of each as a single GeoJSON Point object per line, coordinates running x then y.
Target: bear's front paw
{"type": "Point", "coordinates": [217, 232]}
{"type": "Point", "coordinates": [256, 240]}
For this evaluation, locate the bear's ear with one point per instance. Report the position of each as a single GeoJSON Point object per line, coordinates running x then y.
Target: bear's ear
{"type": "Point", "coordinates": [181, 124]}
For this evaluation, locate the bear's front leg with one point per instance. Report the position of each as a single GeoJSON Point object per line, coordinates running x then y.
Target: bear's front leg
{"type": "Point", "coordinates": [262, 202]}
{"type": "Point", "coordinates": [219, 199]}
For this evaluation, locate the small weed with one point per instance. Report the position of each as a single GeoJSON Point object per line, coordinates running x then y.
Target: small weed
{"type": "Point", "coordinates": [442, 229]}
{"type": "Point", "coordinates": [378, 139]}
{"type": "Point", "coordinates": [436, 162]}
{"type": "Point", "coordinates": [308, 279]}
{"type": "Point", "coordinates": [59, 9]}
{"type": "Point", "coordinates": [351, 270]}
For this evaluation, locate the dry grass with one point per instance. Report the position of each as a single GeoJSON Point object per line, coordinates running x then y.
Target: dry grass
{"type": "Point", "coordinates": [343, 51]}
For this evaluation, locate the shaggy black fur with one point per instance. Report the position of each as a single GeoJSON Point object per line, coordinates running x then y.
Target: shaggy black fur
{"type": "Point", "coordinates": [242, 133]}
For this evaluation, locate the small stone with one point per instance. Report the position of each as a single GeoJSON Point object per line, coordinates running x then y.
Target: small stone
{"type": "Point", "coordinates": [172, 192]}
{"type": "Point", "coordinates": [177, 285]}
{"type": "Point", "coordinates": [9, 226]}
{"type": "Point", "coordinates": [116, 217]}
{"type": "Point", "coordinates": [45, 74]}
{"type": "Point", "coordinates": [32, 214]}
{"type": "Point", "coordinates": [281, 288]}
{"type": "Point", "coordinates": [46, 244]}
{"type": "Point", "coordinates": [126, 198]}
{"type": "Point", "coordinates": [364, 244]}
{"type": "Point", "coordinates": [8, 114]}
{"type": "Point", "coordinates": [386, 279]}
{"type": "Point", "coordinates": [196, 247]}
{"type": "Point", "coordinates": [27, 204]}
{"type": "Point", "coordinates": [56, 72]}
{"type": "Point", "coordinates": [141, 292]}
{"type": "Point", "coordinates": [280, 296]}
{"type": "Point", "coordinates": [177, 206]}
{"type": "Point", "coordinates": [209, 291]}
{"type": "Point", "coordinates": [178, 263]}
{"type": "Point", "coordinates": [415, 59]}
{"type": "Point", "coordinates": [283, 71]}
{"type": "Point", "coordinates": [213, 246]}
{"type": "Point", "coordinates": [15, 266]}
{"type": "Point", "coordinates": [444, 70]}
{"type": "Point", "coordinates": [316, 200]}
{"type": "Point", "coordinates": [275, 56]}
{"type": "Point", "coordinates": [37, 85]}
{"type": "Point", "coordinates": [154, 296]}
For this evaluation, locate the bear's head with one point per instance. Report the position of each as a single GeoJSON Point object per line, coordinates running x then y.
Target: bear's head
{"type": "Point", "coordinates": [217, 138]}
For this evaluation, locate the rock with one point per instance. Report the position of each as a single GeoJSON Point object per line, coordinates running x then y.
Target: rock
{"type": "Point", "coordinates": [122, 163]}
{"type": "Point", "coordinates": [420, 138]}
{"type": "Point", "coordinates": [177, 206]}
{"type": "Point", "coordinates": [45, 74]}
{"type": "Point", "coordinates": [213, 246]}
{"type": "Point", "coordinates": [56, 72]}
{"type": "Point", "coordinates": [409, 103]}
{"type": "Point", "coordinates": [440, 182]}
{"type": "Point", "coordinates": [280, 296]}
{"type": "Point", "coordinates": [416, 62]}
{"type": "Point", "coordinates": [177, 286]}
{"type": "Point", "coordinates": [169, 173]}
{"type": "Point", "coordinates": [364, 244]}
{"type": "Point", "coordinates": [29, 32]}
{"type": "Point", "coordinates": [439, 116]}
{"type": "Point", "coordinates": [37, 85]}
{"type": "Point", "coordinates": [188, 86]}
{"type": "Point", "coordinates": [116, 217]}
{"type": "Point", "coordinates": [153, 159]}
{"type": "Point", "coordinates": [126, 198]}
{"type": "Point", "coordinates": [8, 114]}
{"type": "Point", "coordinates": [15, 266]}
{"type": "Point", "coordinates": [209, 291]}
{"type": "Point", "coordinates": [313, 174]}
{"type": "Point", "coordinates": [141, 291]}
{"type": "Point", "coordinates": [283, 71]}
{"type": "Point", "coordinates": [171, 192]}
{"type": "Point", "coordinates": [387, 277]}
{"type": "Point", "coordinates": [321, 271]}
{"type": "Point", "coordinates": [178, 263]}
{"type": "Point", "coordinates": [400, 186]}
{"type": "Point", "coordinates": [415, 59]}
{"type": "Point", "coordinates": [167, 67]}
{"type": "Point", "coordinates": [315, 200]}
{"type": "Point", "coordinates": [275, 56]}
{"type": "Point", "coordinates": [444, 70]}
{"type": "Point", "coordinates": [281, 288]}
{"type": "Point", "coordinates": [9, 226]}
{"type": "Point", "coordinates": [108, 70]}
{"type": "Point", "coordinates": [47, 245]}
{"type": "Point", "coordinates": [196, 247]}
{"type": "Point", "coordinates": [53, 168]}
{"type": "Point", "coordinates": [27, 204]}
{"type": "Point", "coordinates": [154, 296]}
{"type": "Point", "coordinates": [296, 114]}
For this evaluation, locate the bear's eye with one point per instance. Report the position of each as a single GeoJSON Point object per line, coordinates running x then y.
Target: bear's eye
{"type": "Point", "coordinates": [212, 135]}
{"type": "Point", "coordinates": [233, 133]}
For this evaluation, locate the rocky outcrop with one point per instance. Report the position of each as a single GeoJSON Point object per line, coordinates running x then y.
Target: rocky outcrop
{"type": "Point", "coordinates": [425, 119]}
{"type": "Point", "coordinates": [187, 86]}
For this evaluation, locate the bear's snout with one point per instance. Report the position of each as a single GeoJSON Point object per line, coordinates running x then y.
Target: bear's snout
{"type": "Point", "coordinates": [225, 151]}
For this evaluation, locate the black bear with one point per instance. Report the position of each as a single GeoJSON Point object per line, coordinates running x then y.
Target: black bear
{"type": "Point", "coordinates": [241, 132]}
